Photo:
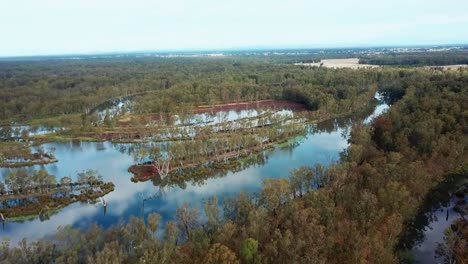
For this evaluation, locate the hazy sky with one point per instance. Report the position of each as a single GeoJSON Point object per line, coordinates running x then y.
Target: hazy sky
{"type": "Point", "coordinates": [32, 27]}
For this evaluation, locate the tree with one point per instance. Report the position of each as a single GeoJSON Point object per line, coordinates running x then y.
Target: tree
{"type": "Point", "coordinates": [42, 179]}
{"type": "Point", "coordinates": [112, 253]}
{"type": "Point", "coordinates": [107, 119]}
{"type": "Point", "coordinates": [171, 233]}
{"type": "Point", "coordinates": [18, 180]}
{"type": "Point", "coordinates": [365, 210]}
{"type": "Point", "coordinates": [299, 180]}
{"type": "Point", "coordinates": [40, 150]}
{"type": "Point", "coordinates": [89, 177]}
{"type": "Point", "coordinates": [218, 254]}
{"type": "Point", "coordinates": [153, 222]}
{"type": "Point", "coordinates": [24, 135]}
{"type": "Point", "coordinates": [6, 132]}
{"type": "Point", "coordinates": [66, 181]}
{"type": "Point", "coordinates": [275, 192]}
{"type": "Point", "coordinates": [212, 212]}
{"type": "Point", "coordinates": [187, 220]}
{"type": "Point", "coordinates": [249, 250]}
{"type": "Point", "coordinates": [136, 233]}
{"type": "Point", "coordinates": [161, 161]}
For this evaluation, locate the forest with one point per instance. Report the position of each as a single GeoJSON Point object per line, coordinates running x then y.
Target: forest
{"type": "Point", "coordinates": [354, 211]}
{"type": "Point", "coordinates": [70, 90]}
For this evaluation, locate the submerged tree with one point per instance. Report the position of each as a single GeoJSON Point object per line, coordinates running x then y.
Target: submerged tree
{"type": "Point", "coordinates": [161, 161]}
{"type": "Point", "coordinates": [43, 180]}
{"type": "Point", "coordinates": [18, 180]}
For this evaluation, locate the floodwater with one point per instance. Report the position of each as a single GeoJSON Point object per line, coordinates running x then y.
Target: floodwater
{"type": "Point", "coordinates": [436, 215]}
{"type": "Point", "coordinates": [322, 144]}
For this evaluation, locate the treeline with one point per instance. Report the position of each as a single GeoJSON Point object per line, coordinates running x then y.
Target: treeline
{"type": "Point", "coordinates": [336, 91]}
{"type": "Point", "coordinates": [153, 127]}
{"type": "Point", "coordinates": [27, 194]}
{"type": "Point", "coordinates": [426, 58]}
{"type": "Point", "coordinates": [22, 182]}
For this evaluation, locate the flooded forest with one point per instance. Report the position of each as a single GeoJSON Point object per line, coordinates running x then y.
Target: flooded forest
{"type": "Point", "coordinates": [244, 158]}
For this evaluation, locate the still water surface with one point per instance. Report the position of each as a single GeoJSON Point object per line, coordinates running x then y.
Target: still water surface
{"type": "Point", "coordinates": [323, 145]}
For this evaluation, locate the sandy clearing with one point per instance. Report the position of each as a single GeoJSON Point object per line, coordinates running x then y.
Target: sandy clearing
{"type": "Point", "coordinates": [352, 63]}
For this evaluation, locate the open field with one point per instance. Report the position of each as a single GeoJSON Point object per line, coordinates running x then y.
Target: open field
{"type": "Point", "coordinates": [352, 63]}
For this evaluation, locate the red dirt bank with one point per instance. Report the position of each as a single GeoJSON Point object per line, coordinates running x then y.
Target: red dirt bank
{"type": "Point", "coordinates": [249, 105]}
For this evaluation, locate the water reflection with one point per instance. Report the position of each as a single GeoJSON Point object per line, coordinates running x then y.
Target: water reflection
{"type": "Point", "coordinates": [322, 144]}
{"type": "Point", "coordinates": [113, 107]}
{"type": "Point", "coordinates": [437, 213]}
{"type": "Point", "coordinates": [18, 131]}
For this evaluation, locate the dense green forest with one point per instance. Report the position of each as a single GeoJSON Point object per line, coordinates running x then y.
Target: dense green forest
{"type": "Point", "coordinates": [422, 58]}
{"type": "Point", "coordinates": [351, 212]}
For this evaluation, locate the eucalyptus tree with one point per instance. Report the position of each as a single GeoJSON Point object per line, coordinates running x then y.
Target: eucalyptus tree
{"type": "Point", "coordinates": [187, 220]}
{"type": "Point", "coordinates": [161, 159]}
{"type": "Point", "coordinates": [153, 223]}
{"type": "Point", "coordinates": [298, 180]}
{"type": "Point", "coordinates": [89, 178]}
{"type": "Point", "coordinates": [18, 180]}
{"type": "Point", "coordinates": [66, 182]}
{"type": "Point", "coordinates": [43, 180]}
{"type": "Point", "coordinates": [275, 193]}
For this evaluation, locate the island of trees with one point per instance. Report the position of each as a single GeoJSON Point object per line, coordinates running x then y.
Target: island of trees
{"type": "Point", "coordinates": [18, 154]}
{"type": "Point", "coordinates": [26, 195]}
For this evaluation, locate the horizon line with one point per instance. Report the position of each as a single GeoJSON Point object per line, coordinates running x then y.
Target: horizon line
{"type": "Point", "coordinates": [232, 49]}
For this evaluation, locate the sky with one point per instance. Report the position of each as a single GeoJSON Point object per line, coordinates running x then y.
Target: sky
{"type": "Point", "coordinates": [46, 27]}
